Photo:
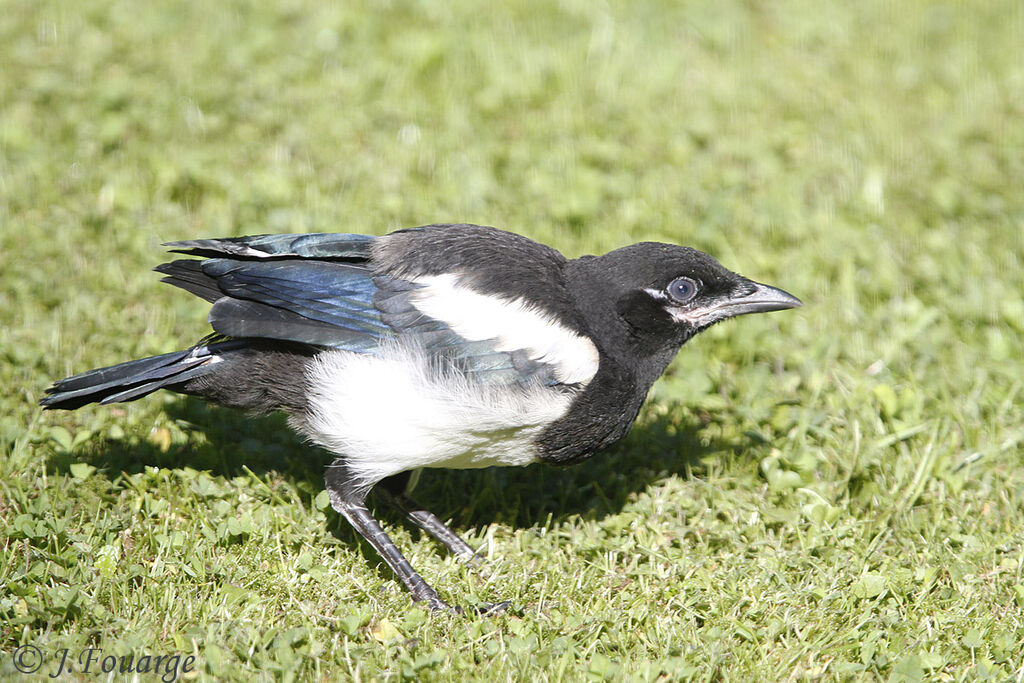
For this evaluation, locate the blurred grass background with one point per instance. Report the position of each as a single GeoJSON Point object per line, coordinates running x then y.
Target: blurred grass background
{"type": "Point", "coordinates": [830, 493]}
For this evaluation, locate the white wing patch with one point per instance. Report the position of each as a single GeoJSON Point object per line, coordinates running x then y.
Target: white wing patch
{"type": "Point", "coordinates": [514, 325]}
{"type": "Point", "coordinates": [392, 412]}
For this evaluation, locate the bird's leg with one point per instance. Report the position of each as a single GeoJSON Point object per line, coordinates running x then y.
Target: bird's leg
{"type": "Point", "coordinates": [348, 500]}
{"type": "Point", "coordinates": [393, 491]}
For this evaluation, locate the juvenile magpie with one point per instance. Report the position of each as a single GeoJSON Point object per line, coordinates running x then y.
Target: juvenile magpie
{"type": "Point", "coordinates": [452, 346]}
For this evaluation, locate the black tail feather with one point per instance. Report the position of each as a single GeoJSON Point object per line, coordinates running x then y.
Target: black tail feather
{"type": "Point", "coordinates": [146, 388]}
{"type": "Point", "coordinates": [134, 379]}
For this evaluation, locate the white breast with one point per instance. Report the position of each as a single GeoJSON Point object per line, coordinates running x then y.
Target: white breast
{"type": "Point", "coordinates": [392, 412]}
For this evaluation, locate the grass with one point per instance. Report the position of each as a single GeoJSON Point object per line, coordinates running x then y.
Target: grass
{"type": "Point", "coordinates": [832, 493]}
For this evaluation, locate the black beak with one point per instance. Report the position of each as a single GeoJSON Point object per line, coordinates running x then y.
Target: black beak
{"type": "Point", "coordinates": [762, 300]}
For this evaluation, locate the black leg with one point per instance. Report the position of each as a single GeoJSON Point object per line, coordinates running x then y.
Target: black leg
{"type": "Point", "coordinates": [392, 490]}
{"type": "Point", "coordinates": [360, 518]}
{"type": "Point", "coordinates": [347, 499]}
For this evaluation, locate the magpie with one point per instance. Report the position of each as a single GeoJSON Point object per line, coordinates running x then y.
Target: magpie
{"type": "Point", "coordinates": [449, 345]}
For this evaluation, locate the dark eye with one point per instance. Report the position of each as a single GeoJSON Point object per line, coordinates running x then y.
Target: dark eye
{"type": "Point", "coordinates": [682, 290]}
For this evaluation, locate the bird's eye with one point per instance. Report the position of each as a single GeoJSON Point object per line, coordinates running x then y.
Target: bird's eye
{"type": "Point", "coordinates": [682, 290]}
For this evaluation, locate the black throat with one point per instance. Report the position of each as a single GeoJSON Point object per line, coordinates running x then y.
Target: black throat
{"type": "Point", "coordinates": [631, 359]}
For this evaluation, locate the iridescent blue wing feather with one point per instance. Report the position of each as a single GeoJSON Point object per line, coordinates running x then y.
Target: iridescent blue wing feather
{"type": "Point", "coordinates": [320, 245]}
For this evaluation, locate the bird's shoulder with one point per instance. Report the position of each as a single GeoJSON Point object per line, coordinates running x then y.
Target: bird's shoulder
{"type": "Point", "coordinates": [486, 286]}
{"type": "Point", "coordinates": [492, 262]}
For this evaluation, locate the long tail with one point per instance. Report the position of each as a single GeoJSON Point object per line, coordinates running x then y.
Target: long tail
{"type": "Point", "coordinates": [136, 378]}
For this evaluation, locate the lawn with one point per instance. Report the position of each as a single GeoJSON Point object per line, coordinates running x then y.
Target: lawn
{"type": "Point", "coordinates": [830, 493]}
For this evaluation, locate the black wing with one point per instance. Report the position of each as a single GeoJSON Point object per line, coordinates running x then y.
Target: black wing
{"type": "Point", "coordinates": [322, 289]}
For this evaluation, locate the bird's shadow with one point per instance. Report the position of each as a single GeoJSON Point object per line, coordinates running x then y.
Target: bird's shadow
{"type": "Point", "coordinates": [657, 448]}
{"type": "Point", "coordinates": [539, 495]}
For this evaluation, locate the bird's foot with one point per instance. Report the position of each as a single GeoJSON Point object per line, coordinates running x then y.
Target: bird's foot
{"type": "Point", "coordinates": [489, 609]}
{"type": "Point", "coordinates": [436, 604]}
{"type": "Point", "coordinates": [485, 609]}
{"type": "Point", "coordinates": [472, 559]}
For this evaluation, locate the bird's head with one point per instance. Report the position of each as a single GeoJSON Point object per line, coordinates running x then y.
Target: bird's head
{"type": "Point", "coordinates": [654, 297]}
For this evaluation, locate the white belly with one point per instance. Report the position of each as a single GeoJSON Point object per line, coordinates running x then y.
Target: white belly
{"type": "Point", "coordinates": [389, 413]}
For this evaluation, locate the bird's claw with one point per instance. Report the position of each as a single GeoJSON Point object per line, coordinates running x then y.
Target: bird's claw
{"type": "Point", "coordinates": [489, 609]}
{"type": "Point", "coordinates": [436, 604]}
{"type": "Point", "coordinates": [474, 560]}
{"type": "Point", "coordinates": [485, 609]}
